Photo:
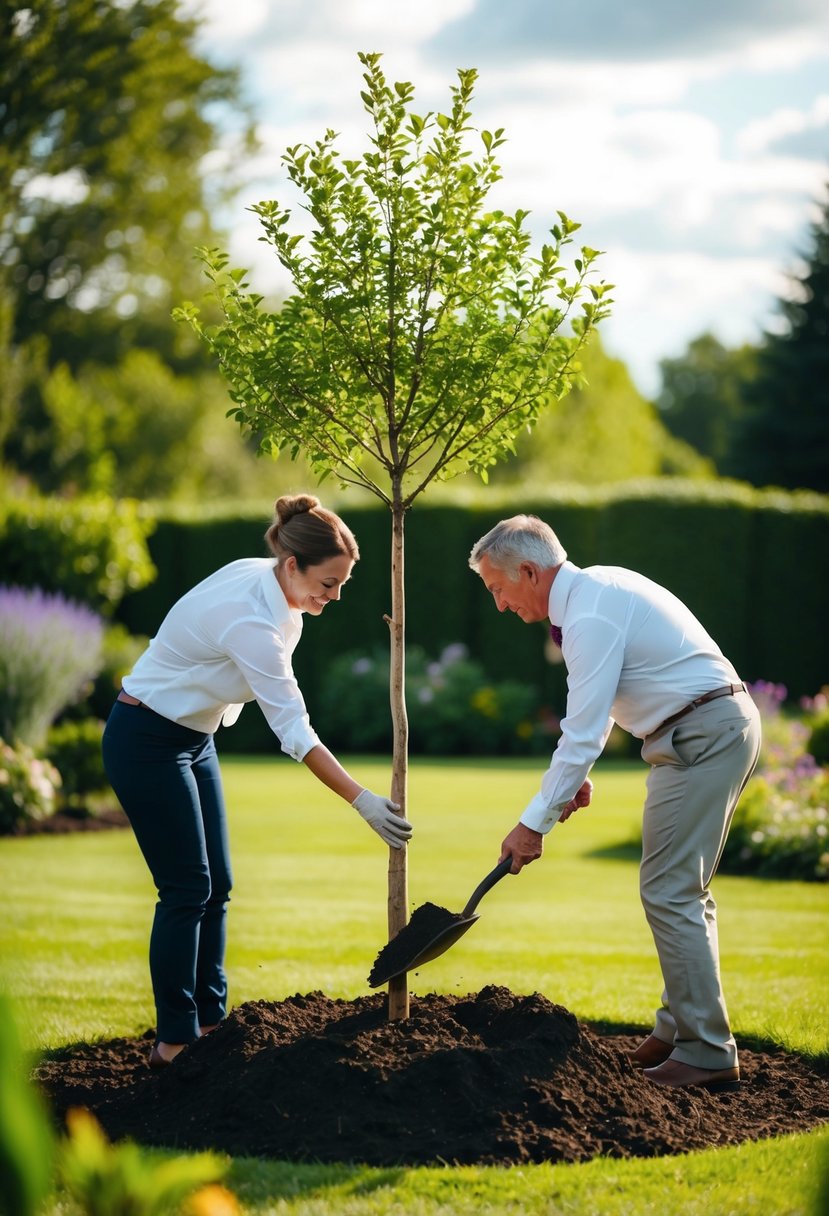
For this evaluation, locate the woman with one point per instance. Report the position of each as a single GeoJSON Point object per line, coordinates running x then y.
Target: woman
{"type": "Point", "coordinates": [227, 641]}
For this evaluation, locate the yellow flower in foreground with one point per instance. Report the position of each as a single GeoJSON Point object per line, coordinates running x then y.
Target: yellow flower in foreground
{"type": "Point", "coordinates": [213, 1200]}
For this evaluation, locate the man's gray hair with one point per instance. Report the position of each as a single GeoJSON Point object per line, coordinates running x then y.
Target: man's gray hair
{"type": "Point", "coordinates": [523, 538]}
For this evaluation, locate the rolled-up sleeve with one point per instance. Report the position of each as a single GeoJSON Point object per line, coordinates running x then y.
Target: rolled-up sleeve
{"type": "Point", "coordinates": [259, 651]}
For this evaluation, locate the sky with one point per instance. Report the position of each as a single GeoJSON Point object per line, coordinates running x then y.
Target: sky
{"type": "Point", "coordinates": [690, 140]}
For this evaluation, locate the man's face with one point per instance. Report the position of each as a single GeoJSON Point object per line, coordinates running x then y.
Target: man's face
{"type": "Point", "coordinates": [524, 596]}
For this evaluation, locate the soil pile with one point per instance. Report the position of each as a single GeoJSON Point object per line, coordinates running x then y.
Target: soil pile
{"type": "Point", "coordinates": [490, 1078]}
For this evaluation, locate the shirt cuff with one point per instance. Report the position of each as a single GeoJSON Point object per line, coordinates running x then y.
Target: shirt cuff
{"type": "Point", "coordinates": [540, 815]}
{"type": "Point", "coordinates": [298, 743]}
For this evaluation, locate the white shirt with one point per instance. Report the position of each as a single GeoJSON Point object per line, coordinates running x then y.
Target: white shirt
{"type": "Point", "coordinates": [226, 642]}
{"type": "Point", "coordinates": [635, 655]}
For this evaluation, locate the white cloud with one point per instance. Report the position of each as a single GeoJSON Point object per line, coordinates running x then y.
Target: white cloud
{"type": "Point", "coordinates": [763, 133]}
{"type": "Point", "coordinates": [230, 23]}
{"type": "Point", "coordinates": [636, 30]}
{"type": "Point", "coordinates": [403, 21]}
{"type": "Point", "coordinates": [665, 300]}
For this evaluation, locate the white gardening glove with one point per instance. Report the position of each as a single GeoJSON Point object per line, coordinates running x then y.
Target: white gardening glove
{"type": "Point", "coordinates": [380, 813]}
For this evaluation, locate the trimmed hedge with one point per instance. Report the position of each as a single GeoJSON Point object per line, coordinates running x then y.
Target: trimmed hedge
{"type": "Point", "coordinates": [744, 561]}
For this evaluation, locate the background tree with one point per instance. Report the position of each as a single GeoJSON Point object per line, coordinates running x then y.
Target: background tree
{"type": "Point", "coordinates": [107, 113]}
{"type": "Point", "coordinates": [605, 432]}
{"type": "Point", "coordinates": [784, 440]}
{"type": "Point", "coordinates": [702, 398]}
{"type": "Point", "coordinates": [103, 128]}
{"type": "Point", "coordinates": [422, 334]}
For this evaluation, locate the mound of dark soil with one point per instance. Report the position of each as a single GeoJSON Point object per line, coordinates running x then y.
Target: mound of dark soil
{"type": "Point", "coordinates": [486, 1078]}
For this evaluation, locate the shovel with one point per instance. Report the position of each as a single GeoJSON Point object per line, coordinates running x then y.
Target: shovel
{"type": "Point", "coordinates": [430, 932]}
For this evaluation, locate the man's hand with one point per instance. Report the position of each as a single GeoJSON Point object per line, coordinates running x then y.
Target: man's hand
{"type": "Point", "coordinates": [381, 814]}
{"type": "Point", "coordinates": [580, 798]}
{"type": "Point", "coordinates": [523, 845]}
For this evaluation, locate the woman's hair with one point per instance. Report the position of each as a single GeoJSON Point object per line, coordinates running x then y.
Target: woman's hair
{"type": "Point", "coordinates": [523, 538]}
{"type": "Point", "coordinates": [307, 531]}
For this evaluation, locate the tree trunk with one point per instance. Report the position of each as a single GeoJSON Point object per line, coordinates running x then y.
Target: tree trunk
{"type": "Point", "coordinates": [398, 906]}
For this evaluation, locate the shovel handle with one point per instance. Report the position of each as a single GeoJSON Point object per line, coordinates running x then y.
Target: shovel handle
{"type": "Point", "coordinates": [502, 868]}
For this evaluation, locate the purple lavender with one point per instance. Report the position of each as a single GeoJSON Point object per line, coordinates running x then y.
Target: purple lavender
{"type": "Point", "coordinates": [49, 648]}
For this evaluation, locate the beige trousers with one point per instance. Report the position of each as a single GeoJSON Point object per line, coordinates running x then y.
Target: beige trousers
{"type": "Point", "coordinates": [699, 768]}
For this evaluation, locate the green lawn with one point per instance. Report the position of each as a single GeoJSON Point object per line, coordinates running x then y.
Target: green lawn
{"type": "Point", "coordinates": [308, 912]}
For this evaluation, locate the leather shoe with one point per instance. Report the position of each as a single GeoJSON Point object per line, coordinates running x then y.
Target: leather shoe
{"type": "Point", "coordinates": [676, 1075]}
{"type": "Point", "coordinates": [650, 1052]}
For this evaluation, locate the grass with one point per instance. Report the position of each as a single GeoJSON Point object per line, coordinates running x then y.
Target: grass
{"type": "Point", "coordinates": [308, 912]}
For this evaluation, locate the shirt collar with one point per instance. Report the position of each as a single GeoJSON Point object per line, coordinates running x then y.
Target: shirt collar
{"type": "Point", "coordinates": [281, 611]}
{"type": "Point", "coordinates": [560, 591]}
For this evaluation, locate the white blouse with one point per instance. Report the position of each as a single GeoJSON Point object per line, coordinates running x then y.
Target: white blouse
{"type": "Point", "coordinates": [228, 641]}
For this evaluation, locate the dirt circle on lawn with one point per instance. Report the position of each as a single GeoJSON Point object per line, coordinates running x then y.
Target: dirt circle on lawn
{"type": "Point", "coordinates": [488, 1078]}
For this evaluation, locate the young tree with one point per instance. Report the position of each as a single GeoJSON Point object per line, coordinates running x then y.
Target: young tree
{"type": "Point", "coordinates": [421, 336]}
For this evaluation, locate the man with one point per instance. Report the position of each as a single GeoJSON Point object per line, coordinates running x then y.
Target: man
{"type": "Point", "coordinates": [636, 655]}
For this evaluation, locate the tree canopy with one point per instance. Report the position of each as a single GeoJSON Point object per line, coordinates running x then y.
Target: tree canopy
{"type": "Point", "coordinates": [106, 114]}
{"type": "Point", "coordinates": [423, 331]}
{"type": "Point", "coordinates": [109, 119]}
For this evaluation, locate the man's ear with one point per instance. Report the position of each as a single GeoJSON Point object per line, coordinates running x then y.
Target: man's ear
{"type": "Point", "coordinates": [529, 570]}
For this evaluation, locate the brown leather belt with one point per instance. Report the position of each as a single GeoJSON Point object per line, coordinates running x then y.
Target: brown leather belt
{"type": "Point", "coordinates": [727, 690]}
{"type": "Point", "coordinates": [127, 699]}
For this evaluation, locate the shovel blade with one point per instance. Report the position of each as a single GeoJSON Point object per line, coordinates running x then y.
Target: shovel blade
{"type": "Point", "coordinates": [436, 946]}
{"type": "Point", "coordinates": [430, 932]}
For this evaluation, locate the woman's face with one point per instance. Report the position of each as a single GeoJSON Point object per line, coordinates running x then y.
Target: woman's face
{"type": "Point", "coordinates": [310, 590]}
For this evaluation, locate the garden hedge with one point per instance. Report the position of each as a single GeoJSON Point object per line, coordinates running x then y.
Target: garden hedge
{"type": "Point", "coordinates": [750, 563]}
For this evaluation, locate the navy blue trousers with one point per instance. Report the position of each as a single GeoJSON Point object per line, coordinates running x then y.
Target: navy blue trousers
{"type": "Point", "coordinates": [167, 779]}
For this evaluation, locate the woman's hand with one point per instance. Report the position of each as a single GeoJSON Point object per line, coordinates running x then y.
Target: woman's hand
{"type": "Point", "coordinates": [383, 815]}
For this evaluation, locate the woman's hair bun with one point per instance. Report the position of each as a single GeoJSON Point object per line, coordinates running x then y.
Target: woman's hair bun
{"type": "Point", "coordinates": [306, 530]}
{"type": "Point", "coordinates": [290, 505]}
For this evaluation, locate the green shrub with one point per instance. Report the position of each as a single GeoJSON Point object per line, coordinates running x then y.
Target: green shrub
{"type": "Point", "coordinates": [91, 550]}
{"type": "Point", "coordinates": [50, 648]}
{"type": "Point", "coordinates": [453, 707]}
{"type": "Point", "coordinates": [781, 826]}
{"type": "Point", "coordinates": [74, 748]}
{"type": "Point", "coordinates": [28, 787]}
{"type": "Point", "coordinates": [818, 742]}
{"type": "Point", "coordinates": [780, 829]}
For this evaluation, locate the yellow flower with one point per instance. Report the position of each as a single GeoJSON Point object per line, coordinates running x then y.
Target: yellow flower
{"type": "Point", "coordinates": [212, 1200]}
{"type": "Point", "coordinates": [485, 702]}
